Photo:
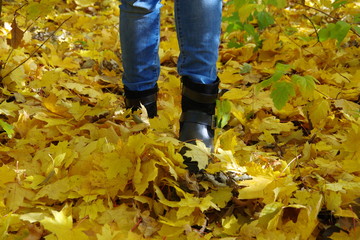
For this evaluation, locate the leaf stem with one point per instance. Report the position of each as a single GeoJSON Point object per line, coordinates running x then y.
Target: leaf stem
{"type": "Point", "coordinates": [294, 159]}
{"type": "Point", "coordinates": [317, 34]}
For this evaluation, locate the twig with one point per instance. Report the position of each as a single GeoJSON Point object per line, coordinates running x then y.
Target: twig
{"type": "Point", "coordinates": [0, 11]}
{"type": "Point", "coordinates": [136, 224]}
{"type": "Point", "coordinates": [317, 34]}
{"type": "Point", "coordinates": [7, 59]}
{"type": "Point", "coordinates": [326, 96]}
{"type": "Point", "coordinates": [20, 7]}
{"type": "Point", "coordinates": [328, 15]}
{"type": "Point", "coordinates": [318, 10]}
{"type": "Point", "coordinates": [294, 159]}
{"type": "Point", "coordinates": [37, 49]}
{"type": "Point", "coordinates": [31, 24]}
{"type": "Point", "coordinates": [354, 31]}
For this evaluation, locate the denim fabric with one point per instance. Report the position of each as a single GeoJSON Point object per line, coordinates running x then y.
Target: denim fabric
{"type": "Point", "coordinates": [198, 30]}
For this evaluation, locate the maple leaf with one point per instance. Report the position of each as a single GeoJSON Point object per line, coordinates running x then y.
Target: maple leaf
{"type": "Point", "coordinates": [281, 93]}
{"type": "Point", "coordinates": [319, 111]}
{"type": "Point", "coordinates": [6, 175]}
{"type": "Point", "coordinates": [336, 31]}
{"type": "Point", "coordinates": [61, 225]}
{"type": "Point", "coordinates": [16, 195]}
{"type": "Point", "coordinates": [221, 196]}
{"type": "Point", "coordinates": [198, 153]}
{"type": "Point", "coordinates": [144, 173]}
{"type": "Point", "coordinates": [106, 233]}
{"type": "Point", "coordinates": [307, 84]}
{"type": "Point", "coordinates": [9, 129]}
{"type": "Point", "coordinates": [293, 90]}
{"type": "Point", "coordinates": [9, 108]}
{"type": "Point", "coordinates": [91, 209]}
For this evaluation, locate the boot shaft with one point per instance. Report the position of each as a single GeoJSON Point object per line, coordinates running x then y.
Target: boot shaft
{"type": "Point", "coordinates": [148, 98]}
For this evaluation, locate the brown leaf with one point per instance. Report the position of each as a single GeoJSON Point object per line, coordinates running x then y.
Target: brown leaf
{"type": "Point", "coordinates": [35, 232]}
{"type": "Point", "coordinates": [16, 35]}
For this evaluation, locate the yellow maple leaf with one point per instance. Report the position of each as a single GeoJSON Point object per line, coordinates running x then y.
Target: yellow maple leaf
{"type": "Point", "coordinates": [91, 209]}
{"type": "Point", "coordinates": [107, 233]}
{"type": "Point", "coordinates": [198, 153]}
{"type": "Point", "coordinates": [221, 196]}
{"type": "Point", "coordinates": [9, 108]}
{"type": "Point", "coordinates": [318, 112]}
{"type": "Point", "coordinates": [230, 224]}
{"type": "Point", "coordinates": [51, 120]}
{"type": "Point", "coordinates": [187, 204]}
{"type": "Point", "coordinates": [271, 124]}
{"type": "Point", "coordinates": [170, 231]}
{"type": "Point", "coordinates": [235, 94]}
{"type": "Point", "coordinates": [51, 104]}
{"type": "Point", "coordinates": [256, 187]}
{"type": "Point", "coordinates": [17, 79]}
{"type": "Point", "coordinates": [145, 172]}
{"type": "Point", "coordinates": [6, 175]}
{"type": "Point", "coordinates": [61, 225]}
{"type": "Point", "coordinates": [230, 76]}
{"type": "Point", "coordinates": [48, 79]}
{"type": "Point", "coordinates": [123, 216]}
{"type": "Point", "coordinates": [16, 195]}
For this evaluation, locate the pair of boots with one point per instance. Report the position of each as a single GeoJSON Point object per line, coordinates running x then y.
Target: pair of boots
{"type": "Point", "coordinates": [198, 108]}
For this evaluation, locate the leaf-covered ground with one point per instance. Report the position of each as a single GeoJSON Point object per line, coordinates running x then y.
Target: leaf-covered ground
{"type": "Point", "coordinates": [74, 164]}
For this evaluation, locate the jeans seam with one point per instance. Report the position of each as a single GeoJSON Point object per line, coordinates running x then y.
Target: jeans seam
{"type": "Point", "coordinates": [179, 32]}
{"type": "Point", "coordinates": [156, 71]}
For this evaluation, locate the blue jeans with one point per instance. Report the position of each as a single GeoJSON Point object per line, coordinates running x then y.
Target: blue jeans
{"type": "Point", "coordinates": [198, 31]}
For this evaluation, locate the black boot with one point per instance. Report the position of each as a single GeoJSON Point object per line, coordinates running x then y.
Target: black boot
{"type": "Point", "coordinates": [148, 98]}
{"type": "Point", "coordinates": [197, 118]}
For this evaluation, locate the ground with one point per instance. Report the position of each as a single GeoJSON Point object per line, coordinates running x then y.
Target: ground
{"type": "Point", "coordinates": [75, 164]}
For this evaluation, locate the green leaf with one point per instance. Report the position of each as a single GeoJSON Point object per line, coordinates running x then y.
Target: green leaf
{"type": "Point", "coordinates": [306, 83]}
{"type": "Point", "coordinates": [277, 3]}
{"type": "Point", "coordinates": [280, 70]}
{"type": "Point", "coordinates": [245, 11]}
{"type": "Point", "coordinates": [9, 129]}
{"type": "Point", "coordinates": [357, 29]}
{"type": "Point", "coordinates": [223, 109]}
{"type": "Point", "coordinates": [283, 68]}
{"type": "Point", "coordinates": [274, 78]}
{"type": "Point", "coordinates": [357, 18]}
{"type": "Point", "coordinates": [290, 30]}
{"type": "Point", "coordinates": [281, 93]}
{"type": "Point", "coordinates": [252, 33]}
{"type": "Point", "coordinates": [234, 44]}
{"type": "Point", "coordinates": [336, 31]}
{"type": "Point", "coordinates": [338, 3]}
{"type": "Point", "coordinates": [245, 68]}
{"type": "Point", "coordinates": [324, 33]}
{"type": "Point", "coordinates": [341, 30]}
{"type": "Point", "coordinates": [35, 9]}
{"type": "Point", "coordinates": [250, 29]}
{"type": "Point", "coordinates": [264, 19]}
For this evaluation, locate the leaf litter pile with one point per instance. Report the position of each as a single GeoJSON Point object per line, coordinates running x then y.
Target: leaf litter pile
{"type": "Point", "coordinates": [76, 165]}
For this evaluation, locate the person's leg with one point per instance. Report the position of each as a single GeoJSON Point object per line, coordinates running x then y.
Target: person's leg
{"type": "Point", "coordinates": [198, 27]}
{"type": "Point", "coordinates": [139, 39]}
